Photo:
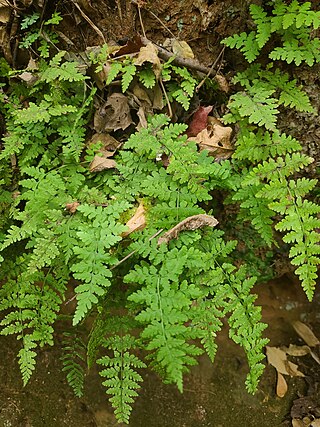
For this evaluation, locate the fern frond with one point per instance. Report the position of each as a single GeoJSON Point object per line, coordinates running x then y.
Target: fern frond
{"type": "Point", "coordinates": [121, 378]}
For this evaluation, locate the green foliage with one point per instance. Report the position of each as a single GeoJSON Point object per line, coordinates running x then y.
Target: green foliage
{"type": "Point", "coordinates": [152, 303]}
{"type": "Point", "coordinates": [179, 82]}
{"type": "Point", "coordinates": [120, 377]}
{"type": "Point", "coordinates": [293, 23]}
{"type": "Point", "coordinates": [45, 36]}
{"type": "Point", "coordinates": [267, 186]}
{"type": "Point", "coordinates": [73, 361]}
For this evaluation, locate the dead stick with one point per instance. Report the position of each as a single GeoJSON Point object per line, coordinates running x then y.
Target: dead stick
{"type": "Point", "coordinates": [178, 60]}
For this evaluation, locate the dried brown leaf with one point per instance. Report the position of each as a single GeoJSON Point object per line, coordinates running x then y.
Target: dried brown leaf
{"type": "Point", "coordinates": [108, 141]}
{"type": "Point", "coordinates": [149, 53]}
{"type": "Point", "coordinates": [137, 222]}
{"type": "Point", "coordinates": [278, 359]}
{"type": "Point", "coordinates": [191, 223]}
{"type": "Point", "coordinates": [28, 77]}
{"type": "Point", "coordinates": [297, 350]}
{"type": "Point", "coordinates": [72, 207]}
{"type": "Point", "coordinates": [141, 94]}
{"type": "Point", "coordinates": [157, 102]}
{"type": "Point", "coordinates": [282, 386]}
{"type": "Point", "coordinates": [182, 49]}
{"type": "Point", "coordinates": [305, 333]}
{"type": "Point", "coordinates": [216, 139]}
{"type": "Point", "coordinates": [316, 423]}
{"type": "Point", "coordinates": [199, 121]}
{"type": "Point", "coordinates": [113, 115]}
{"type": "Point", "coordinates": [222, 83]}
{"type": "Point", "coordinates": [298, 423]}
{"type": "Point", "coordinates": [99, 164]}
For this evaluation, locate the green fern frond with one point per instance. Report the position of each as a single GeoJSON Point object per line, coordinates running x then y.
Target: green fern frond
{"type": "Point", "coordinates": [120, 377]}
{"type": "Point", "coordinates": [72, 361]}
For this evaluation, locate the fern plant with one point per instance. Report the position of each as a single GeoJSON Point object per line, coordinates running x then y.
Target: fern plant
{"type": "Point", "coordinates": [267, 186]}
{"type": "Point", "coordinates": [293, 22]}
{"type": "Point", "coordinates": [178, 280]}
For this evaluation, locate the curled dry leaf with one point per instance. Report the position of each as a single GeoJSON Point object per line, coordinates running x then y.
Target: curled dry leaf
{"type": "Point", "coordinates": [278, 359]}
{"type": "Point", "coordinates": [100, 163]}
{"type": "Point", "coordinates": [149, 53]}
{"type": "Point", "coordinates": [191, 223]}
{"type": "Point", "coordinates": [216, 139]}
{"type": "Point", "coordinates": [113, 115]}
{"type": "Point", "coordinates": [305, 333]}
{"type": "Point", "coordinates": [72, 207]}
{"type": "Point", "coordinates": [282, 386]}
{"type": "Point", "coordinates": [137, 222]}
{"type": "Point", "coordinates": [297, 350]}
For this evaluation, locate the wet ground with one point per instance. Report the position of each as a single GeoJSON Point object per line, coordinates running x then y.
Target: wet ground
{"type": "Point", "coordinates": [214, 395]}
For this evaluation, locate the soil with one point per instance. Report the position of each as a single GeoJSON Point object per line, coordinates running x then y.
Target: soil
{"type": "Point", "coordinates": [214, 395]}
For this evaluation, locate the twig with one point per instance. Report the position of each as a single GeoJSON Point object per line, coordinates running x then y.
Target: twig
{"type": "Point", "coordinates": [166, 96]}
{"type": "Point", "coordinates": [141, 22]}
{"type": "Point", "coordinates": [211, 69]}
{"type": "Point", "coordinates": [96, 29]}
{"type": "Point", "coordinates": [164, 26]}
{"type": "Point", "coordinates": [133, 252]}
{"type": "Point", "coordinates": [178, 60]}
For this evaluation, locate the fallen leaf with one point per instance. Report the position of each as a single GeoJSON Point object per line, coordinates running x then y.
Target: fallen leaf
{"type": "Point", "coordinates": [157, 101]}
{"type": "Point", "coordinates": [191, 223]}
{"type": "Point", "coordinates": [137, 222]}
{"type": "Point", "coordinates": [132, 46]}
{"type": "Point", "coordinates": [72, 207]}
{"type": "Point", "coordinates": [297, 350]}
{"type": "Point", "coordinates": [216, 139]}
{"type": "Point", "coordinates": [278, 359]}
{"type": "Point", "coordinates": [316, 423]}
{"type": "Point", "coordinates": [298, 423]}
{"type": "Point", "coordinates": [108, 141]}
{"type": "Point", "coordinates": [5, 13]}
{"type": "Point", "coordinates": [113, 115]}
{"type": "Point", "coordinates": [141, 94]}
{"type": "Point", "coordinates": [182, 49]}
{"type": "Point", "coordinates": [28, 77]}
{"type": "Point", "coordinates": [149, 53]}
{"type": "Point", "coordinates": [143, 123]}
{"type": "Point", "coordinates": [99, 164]}
{"type": "Point", "coordinates": [315, 356]}
{"type": "Point", "coordinates": [199, 121]}
{"type": "Point", "coordinates": [305, 333]}
{"type": "Point", "coordinates": [222, 83]}
{"type": "Point", "coordinates": [282, 386]}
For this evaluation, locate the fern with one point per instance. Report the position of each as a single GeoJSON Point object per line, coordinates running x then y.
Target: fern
{"type": "Point", "coordinates": [293, 22]}
{"type": "Point", "coordinates": [120, 377]}
{"type": "Point", "coordinates": [72, 361]}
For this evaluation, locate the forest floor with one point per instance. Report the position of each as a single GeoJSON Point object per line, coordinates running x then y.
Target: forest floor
{"type": "Point", "coordinates": [214, 395]}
